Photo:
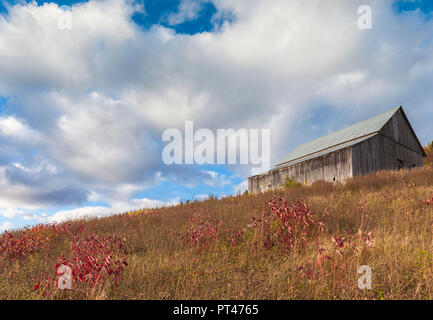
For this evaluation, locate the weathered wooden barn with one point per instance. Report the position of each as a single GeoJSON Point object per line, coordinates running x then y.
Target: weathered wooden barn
{"type": "Point", "coordinates": [384, 142]}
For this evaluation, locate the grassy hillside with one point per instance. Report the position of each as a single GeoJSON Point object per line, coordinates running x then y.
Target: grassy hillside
{"type": "Point", "coordinates": [429, 151]}
{"type": "Point", "coordinates": [302, 243]}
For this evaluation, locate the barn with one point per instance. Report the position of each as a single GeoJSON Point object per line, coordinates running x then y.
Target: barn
{"type": "Point", "coordinates": [384, 142]}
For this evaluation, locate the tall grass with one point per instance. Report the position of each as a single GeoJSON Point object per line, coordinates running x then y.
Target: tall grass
{"type": "Point", "coordinates": [302, 243]}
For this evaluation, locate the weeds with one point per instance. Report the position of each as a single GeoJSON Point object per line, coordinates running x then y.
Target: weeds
{"type": "Point", "coordinates": [287, 226]}
{"type": "Point", "coordinates": [301, 243]}
{"type": "Point", "coordinates": [92, 260]}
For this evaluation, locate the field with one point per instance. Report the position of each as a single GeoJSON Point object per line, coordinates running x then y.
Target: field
{"type": "Point", "coordinates": [306, 242]}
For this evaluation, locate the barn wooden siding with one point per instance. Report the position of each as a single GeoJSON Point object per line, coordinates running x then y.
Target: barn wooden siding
{"type": "Point", "coordinates": [335, 166]}
{"type": "Point", "coordinates": [394, 147]}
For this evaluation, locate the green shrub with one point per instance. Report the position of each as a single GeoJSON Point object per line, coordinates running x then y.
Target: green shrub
{"type": "Point", "coordinates": [290, 183]}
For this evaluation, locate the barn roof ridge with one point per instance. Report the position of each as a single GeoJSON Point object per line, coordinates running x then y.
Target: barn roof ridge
{"type": "Point", "coordinates": [339, 139]}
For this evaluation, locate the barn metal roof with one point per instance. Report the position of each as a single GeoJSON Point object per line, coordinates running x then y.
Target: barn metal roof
{"type": "Point", "coordinates": [339, 140]}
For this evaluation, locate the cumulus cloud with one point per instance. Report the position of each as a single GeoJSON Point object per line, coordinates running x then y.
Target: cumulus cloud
{"type": "Point", "coordinates": [88, 105]}
{"type": "Point", "coordinates": [80, 213]}
{"type": "Point", "coordinates": [37, 188]}
{"type": "Point", "coordinates": [103, 211]}
{"type": "Point", "coordinates": [241, 187]}
{"type": "Point", "coordinates": [5, 226]}
{"type": "Point", "coordinates": [11, 213]}
{"type": "Point", "coordinates": [187, 10]}
{"type": "Point", "coordinates": [201, 197]}
{"type": "Point", "coordinates": [12, 127]}
{"type": "Point", "coordinates": [214, 178]}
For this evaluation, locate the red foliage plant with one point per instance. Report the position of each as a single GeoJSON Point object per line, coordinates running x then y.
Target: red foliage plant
{"type": "Point", "coordinates": [334, 266]}
{"type": "Point", "coordinates": [236, 237]}
{"type": "Point", "coordinates": [287, 226]}
{"type": "Point", "coordinates": [31, 240]}
{"type": "Point", "coordinates": [428, 201]}
{"type": "Point", "coordinates": [199, 236]}
{"type": "Point", "coordinates": [94, 260]}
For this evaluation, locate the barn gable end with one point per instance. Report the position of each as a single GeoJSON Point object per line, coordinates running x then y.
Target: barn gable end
{"type": "Point", "coordinates": [398, 128]}
{"type": "Point", "coordinates": [384, 142]}
{"type": "Point", "coordinates": [394, 147]}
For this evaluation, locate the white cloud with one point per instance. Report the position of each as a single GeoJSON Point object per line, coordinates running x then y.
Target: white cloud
{"type": "Point", "coordinates": [36, 187]}
{"type": "Point", "coordinates": [216, 179]}
{"type": "Point", "coordinates": [187, 10]}
{"type": "Point", "coordinates": [95, 196]}
{"type": "Point", "coordinates": [5, 226]}
{"type": "Point", "coordinates": [349, 78]}
{"type": "Point", "coordinates": [12, 213]}
{"type": "Point", "coordinates": [44, 165]}
{"type": "Point", "coordinates": [115, 208]}
{"type": "Point", "coordinates": [80, 213]}
{"type": "Point", "coordinates": [212, 174]}
{"type": "Point", "coordinates": [12, 127]}
{"type": "Point", "coordinates": [142, 203]}
{"type": "Point", "coordinates": [201, 197]}
{"type": "Point", "coordinates": [241, 187]}
{"type": "Point", "coordinates": [97, 98]}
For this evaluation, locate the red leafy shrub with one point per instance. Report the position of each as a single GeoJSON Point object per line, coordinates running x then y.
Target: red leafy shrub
{"type": "Point", "coordinates": [31, 240]}
{"type": "Point", "coordinates": [236, 237]}
{"type": "Point", "coordinates": [199, 236]}
{"type": "Point", "coordinates": [428, 202]}
{"type": "Point", "coordinates": [335, 266]}
{"type": "Point", "coordinates": [94, 260]}
{"type": "Point", "coordinates": [287, 226]}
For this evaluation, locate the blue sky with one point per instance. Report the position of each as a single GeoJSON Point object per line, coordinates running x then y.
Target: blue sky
{"type": "Point", "coordinates": [156, 11]}
{"type": "Point", "coordinates": [82, 111]}
{"type": "Point", "coordinates": [408, 5]}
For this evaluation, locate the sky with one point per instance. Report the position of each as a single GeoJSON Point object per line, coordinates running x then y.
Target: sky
{"type": "Point", "coordinates": [82, 110]}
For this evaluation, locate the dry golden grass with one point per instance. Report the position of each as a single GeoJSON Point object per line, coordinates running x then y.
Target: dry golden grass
{"type": "Point", "coordinates": [390, 205]}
